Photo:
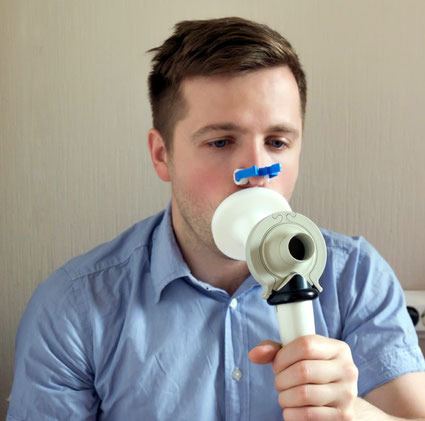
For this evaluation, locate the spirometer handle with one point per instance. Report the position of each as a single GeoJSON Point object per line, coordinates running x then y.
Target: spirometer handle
{"type": "Point", "coordinates": [294, 309]}
{"type": "Point", "coordinates": [295, 320]}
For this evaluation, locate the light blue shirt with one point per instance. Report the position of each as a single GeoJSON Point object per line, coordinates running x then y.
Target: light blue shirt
{"type": "Point", "coordinates": [126, 333]}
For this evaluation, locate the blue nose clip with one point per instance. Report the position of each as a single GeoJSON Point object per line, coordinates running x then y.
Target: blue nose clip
{"type": "Point", "coordinates": [240, 177]}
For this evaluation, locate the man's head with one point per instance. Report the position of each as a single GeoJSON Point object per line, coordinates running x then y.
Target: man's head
{"type": "Point", "coordinates": [229, 104]}
{"type": "Point", "coordinates": [225, 46]}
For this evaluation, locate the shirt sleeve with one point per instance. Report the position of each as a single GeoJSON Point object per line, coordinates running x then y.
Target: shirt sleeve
{"type": "Point", "coordinates": [53, 373]}
{"type": "Point", "coordinates": [376, 324]}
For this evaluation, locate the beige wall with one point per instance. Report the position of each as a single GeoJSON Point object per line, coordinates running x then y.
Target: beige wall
{"type": "Point", "coordinates": [74, 116]}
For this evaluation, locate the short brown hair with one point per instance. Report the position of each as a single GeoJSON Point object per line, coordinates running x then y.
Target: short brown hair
{"type": "Point", "coordinates": [222, 46]}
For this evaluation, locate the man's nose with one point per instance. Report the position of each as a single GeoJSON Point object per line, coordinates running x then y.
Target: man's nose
{"type": "Point", "coordinates": [257, 181]}
{"type": "Point", "coordinates": [254, 155]}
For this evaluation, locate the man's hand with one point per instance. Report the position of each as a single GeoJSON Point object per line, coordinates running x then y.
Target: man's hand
{"type": "Point", "coordinates": [315, 377]}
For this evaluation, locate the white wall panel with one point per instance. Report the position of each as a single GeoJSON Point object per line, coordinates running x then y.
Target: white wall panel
{"type": "Point", "coordinates": [74, 166]}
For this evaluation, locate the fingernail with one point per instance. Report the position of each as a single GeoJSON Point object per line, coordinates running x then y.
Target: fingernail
{"type": "Point", "coordinates": [266, 347]}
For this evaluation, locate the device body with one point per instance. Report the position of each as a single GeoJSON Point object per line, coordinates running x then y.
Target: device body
{"type": "Point", "coordinates": [285, 253]}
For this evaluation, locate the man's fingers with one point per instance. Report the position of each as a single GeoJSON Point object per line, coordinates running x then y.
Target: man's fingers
{"type": "Point", "coordinates": [264, 352]}
{"type": "Point", "coordinates": [332, 395]}
{"type": "Point", "coordinates": [309, 372]}
{"type": "Point", "coordinates": [318, 413]}
{"type": "Point", "coordinates": [310, 347]}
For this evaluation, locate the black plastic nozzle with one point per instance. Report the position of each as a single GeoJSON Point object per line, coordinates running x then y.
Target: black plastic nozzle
{"type": "Point", "coordinates": [296, 290]}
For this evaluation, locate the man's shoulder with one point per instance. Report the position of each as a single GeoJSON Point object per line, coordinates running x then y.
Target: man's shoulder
{"type": "Point", "coordinates": [353, 254]}
{"type": "Point", "coordinates": [117, 251]}
{"type": "Point", "coordinates": [104, 265]}
{"type": "Point", "coordinates": [346, 244]}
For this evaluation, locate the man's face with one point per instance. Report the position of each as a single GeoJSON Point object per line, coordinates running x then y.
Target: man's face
{"type": "Point", "coordinates": [231, 123]}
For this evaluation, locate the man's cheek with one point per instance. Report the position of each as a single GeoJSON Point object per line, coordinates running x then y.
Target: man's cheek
{"type": "Point", "coordinates": [211, 182]}
{"type": "Point", "coordinates": [212, 189]}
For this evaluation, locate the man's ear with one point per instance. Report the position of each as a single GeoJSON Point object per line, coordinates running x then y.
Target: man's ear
{"type": "Point", "coordinates": [159, 154]}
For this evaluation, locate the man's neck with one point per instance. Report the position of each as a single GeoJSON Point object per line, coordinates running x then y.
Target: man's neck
{"type": "Point", "coordinates": [207, 264]}
{"type": "Point", "coordinates": [220, 273]}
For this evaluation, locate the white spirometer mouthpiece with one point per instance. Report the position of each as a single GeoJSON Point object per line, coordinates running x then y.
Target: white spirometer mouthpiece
{"type": "Point", "coordinates": [285, 253]}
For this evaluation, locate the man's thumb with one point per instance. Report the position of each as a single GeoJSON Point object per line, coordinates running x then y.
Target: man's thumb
{"type": "Point", "coordinates": [264, 352]}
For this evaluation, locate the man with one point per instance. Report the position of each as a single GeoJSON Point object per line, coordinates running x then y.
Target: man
{"type": "Point", "coordinates": [157, 324]}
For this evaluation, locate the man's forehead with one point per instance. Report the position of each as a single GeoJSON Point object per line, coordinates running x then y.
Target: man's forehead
{"type": "Point", "coordinates": [276, 84]}
{"type": "Point", "coordinates": [213, 103]}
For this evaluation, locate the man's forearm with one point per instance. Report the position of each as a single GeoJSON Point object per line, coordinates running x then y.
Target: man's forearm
{"type": "Point", "coordinates": [364, 411]}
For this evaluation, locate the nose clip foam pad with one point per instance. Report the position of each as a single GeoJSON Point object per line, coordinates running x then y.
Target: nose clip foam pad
{"type": "Point", "coordinates": [240, 176]}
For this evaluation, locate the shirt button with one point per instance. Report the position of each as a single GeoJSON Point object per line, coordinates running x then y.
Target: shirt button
{"type": "Point", "coordinates": [234, 303]}
{"type": "Point", "coordinates": [237, 374]}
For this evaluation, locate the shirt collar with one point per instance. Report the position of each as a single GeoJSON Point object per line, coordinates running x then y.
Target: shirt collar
{"type": "Point", "coordinates": [167, 263]}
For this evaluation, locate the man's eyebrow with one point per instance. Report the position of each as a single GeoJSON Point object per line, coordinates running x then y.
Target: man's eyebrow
{"type": "Point", "coordinates": [281, 128]}
{"type": "Point", "coordinates": [220, 127]}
